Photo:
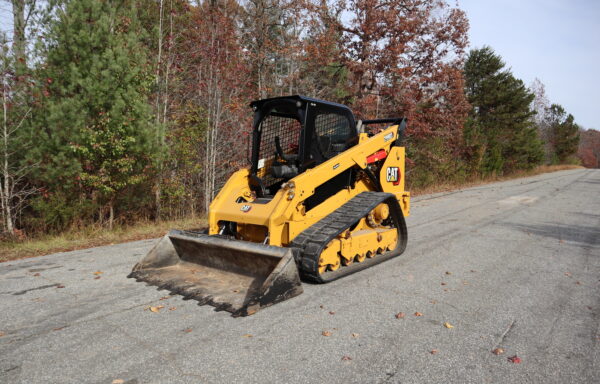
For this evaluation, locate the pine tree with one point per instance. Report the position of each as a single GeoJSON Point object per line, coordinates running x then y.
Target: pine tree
{"type": "Point", "coordinates": [564, 133]}
{"type": "Point", "coordinates": [501, 118]}
{"type": "Point", "coordinates": [96, 120]}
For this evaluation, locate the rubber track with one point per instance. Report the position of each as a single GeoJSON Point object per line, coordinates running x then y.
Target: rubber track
{"type": "Point", "coordinates": [311, 242]}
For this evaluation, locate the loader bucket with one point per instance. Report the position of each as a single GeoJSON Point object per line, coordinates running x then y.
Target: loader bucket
{"type": "Point", "coordinates": [232, 275]}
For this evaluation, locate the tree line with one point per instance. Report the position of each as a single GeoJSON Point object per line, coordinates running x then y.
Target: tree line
{"type": "Point", "coordinates": [122, 110]}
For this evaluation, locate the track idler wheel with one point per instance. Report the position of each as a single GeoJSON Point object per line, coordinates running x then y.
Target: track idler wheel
{"type": "Point", "coordinates": [378, 215]}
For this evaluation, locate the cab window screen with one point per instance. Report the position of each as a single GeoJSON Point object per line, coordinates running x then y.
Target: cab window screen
{"type": "Point", "coordinates": [288, 130]}
{"type": "Point", "coordinates": [334, 126]}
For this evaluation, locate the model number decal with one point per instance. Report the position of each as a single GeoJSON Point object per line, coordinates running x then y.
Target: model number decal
{"type": "Point", "coordinates": [388, 137]}
{"type": "Point", "coordinates": [336, 166]}
{"type": "Point", "coordinates": [246, 208]}
{"type": "Point", "coordinates": [392, 175]}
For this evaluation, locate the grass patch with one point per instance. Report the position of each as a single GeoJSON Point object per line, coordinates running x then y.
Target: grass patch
{"type": "Point", "coordinates": [91, 237]}
{"type": "Point", "coordinates": [452, 186]}
{"type": "Point", "coordinates": [97, 236]}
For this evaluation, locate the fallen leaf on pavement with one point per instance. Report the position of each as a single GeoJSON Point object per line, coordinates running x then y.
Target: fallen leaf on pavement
{"type": "Point", "coordinates": [445, 289]}
{"type": "Point", "coordinates": [346, 358]}
{"type": "Point", "coordinates": [97, 277]}
{"type": "Point", "coordinates": [418, 314]}
{"type": "Point", "coordinates": [165, 298]}
{"type": "Point", "coordinates": [2, 333]}
{"type": "Point", "coordinates": [568, 274]}
{"type": "Point", "coordinates": [589, 307]}
{"type": "Point", "coordinates": [247, 335]}
{"type": "Point", "coordinates": [448, 273]}
{"type": "Point", "coordinates": [187, 330]}
{"type": "Point", "coordinates": [320, 306]}
{"type": "Point", "coordinates": [157, 308]}
{"type": "Point", "coordinates": [448, 325]}
{"type": "Point", "coordinates": [59, 328]}
{"type": "Point", "coordinates": [400, 315]}
{"type": "Point", "coordinates": [578, 282]}
{"type": "Point", "coordinates": [443, 283]}
{"type": "Point", "coordinates": [433, 351]}
{"type": "Point", "coordinates": [331, 312]}
{"type": "Point", "coordinates": [98, 273]}
{"type": "Point", "coordinates": [36, 274]}
{"type": "Point", "coordinates": [118, 381]}
{"type": "Point", "coordinates": [60, 286]}
{"type": "Point", "coordinates": [355, 335]}
{"type": "Point", "coordinates": [472, 270]}
{"type": "Point", "coordinates": [172, 308]}
{"type": "Point", "coordinates": [498, 351]}
{"type": "Point", "coordinates": [326, 333]}
{"type": "Point", "coordinates": [515, 359]}
{"type": "Point", "coordinates": [433, 302]}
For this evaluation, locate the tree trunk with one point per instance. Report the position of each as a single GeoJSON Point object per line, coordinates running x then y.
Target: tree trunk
{"type": "Point", "coordinates": [6, 186]}
{"type": "Point", "coordinates": [19, 43]}
{"type": "Point", "coordinates": [159, 130]}
{"type": "Point", "coordinates": [157, 199]}
{"type": "Point", "coordinates": [111, 214]}
{"type": "Point", "coordinates": [211, 131]}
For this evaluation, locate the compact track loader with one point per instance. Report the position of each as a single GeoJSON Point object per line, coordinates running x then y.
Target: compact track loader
{"type": "Point", "coordinates": [323, 198]}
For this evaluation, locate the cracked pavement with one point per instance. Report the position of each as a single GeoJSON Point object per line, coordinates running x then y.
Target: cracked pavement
{"type": "Point", "coordinates": [512, 265]}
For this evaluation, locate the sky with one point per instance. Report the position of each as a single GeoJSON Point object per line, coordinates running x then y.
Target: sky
{"type": "Point", "coordinates": [557, 41]}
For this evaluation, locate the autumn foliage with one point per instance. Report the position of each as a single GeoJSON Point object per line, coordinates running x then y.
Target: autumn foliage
{"type": "Point", "coordinates": [401, 58]}
{"type": "Point", "coordinates": [589, 148]}
{"type": "Point", "coordinates": [183, 73]}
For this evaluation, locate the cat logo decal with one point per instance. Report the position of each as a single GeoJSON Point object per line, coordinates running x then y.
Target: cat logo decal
{"type": "Point", "coordinates": [393, 175]}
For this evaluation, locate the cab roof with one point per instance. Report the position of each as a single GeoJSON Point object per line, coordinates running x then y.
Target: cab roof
{"type": "Point", "coordinates": [257, 104]}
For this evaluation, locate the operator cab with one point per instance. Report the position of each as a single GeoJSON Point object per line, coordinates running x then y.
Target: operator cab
{"type": "Point", "coordinates": [294, 133]}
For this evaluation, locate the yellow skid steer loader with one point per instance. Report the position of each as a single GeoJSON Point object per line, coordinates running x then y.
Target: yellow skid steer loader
{"type": "Point", "coordinates": [322, 199]}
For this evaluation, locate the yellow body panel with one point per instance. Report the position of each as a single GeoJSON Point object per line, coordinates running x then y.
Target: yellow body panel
{"type": "Point", "coordinates": [395, 159]}
{"type": "Point", "coordinates": [285, 216]}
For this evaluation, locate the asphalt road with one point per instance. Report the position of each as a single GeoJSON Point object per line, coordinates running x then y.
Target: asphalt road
{"type": "Point", "coordinates": [512, 265]}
